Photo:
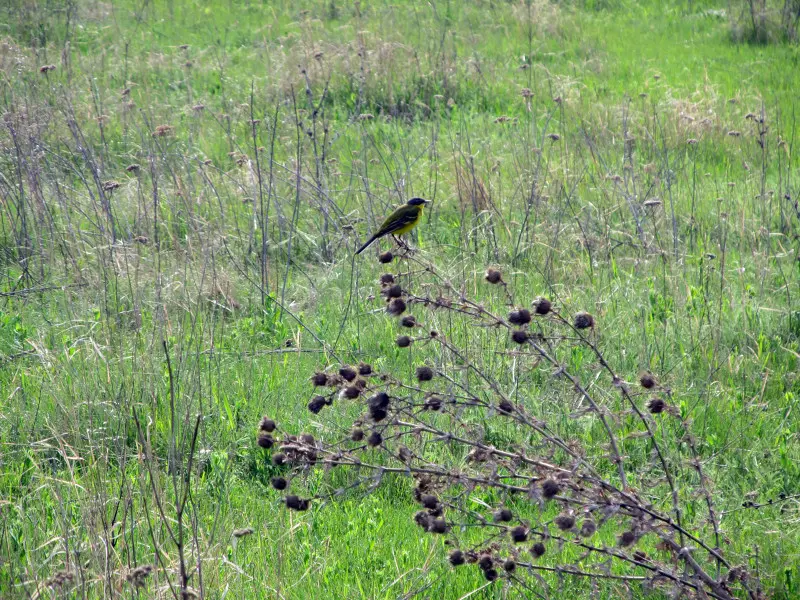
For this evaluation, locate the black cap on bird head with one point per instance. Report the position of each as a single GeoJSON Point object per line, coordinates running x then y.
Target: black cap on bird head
{"type": "Point", "coordinates": [417, 202]}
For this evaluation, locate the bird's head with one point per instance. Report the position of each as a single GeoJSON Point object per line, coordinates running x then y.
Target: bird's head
{"type": "Point", "coordinates": [417, 202]}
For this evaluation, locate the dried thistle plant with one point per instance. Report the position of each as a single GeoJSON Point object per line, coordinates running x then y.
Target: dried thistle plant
{"type": "Point", "coordinates": [542, 504]}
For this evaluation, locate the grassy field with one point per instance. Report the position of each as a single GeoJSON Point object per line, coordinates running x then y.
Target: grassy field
{"type": "Point", "coordinates": [183, 185]}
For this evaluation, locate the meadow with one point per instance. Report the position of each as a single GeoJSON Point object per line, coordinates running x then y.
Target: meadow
{"type": "Point", "coordinates": [183, 185]}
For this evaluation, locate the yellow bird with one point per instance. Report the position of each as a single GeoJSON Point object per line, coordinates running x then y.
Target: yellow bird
{"type": "Point", "coordinates": [401, 221]}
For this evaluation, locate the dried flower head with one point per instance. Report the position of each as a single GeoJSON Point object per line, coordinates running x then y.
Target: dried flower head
{"type": "Point", "coordinates": [357, 434]}
{"type": "Point", "coordinates": [429, 501]}
{"type": "Point", "coordinates": [550, 488]}
{"type": "Point", "coordinates": [267, 425]}
{"type": "Point", "coordinates": [403, 341]}
{"type": "Point", "coordinates": [520, 317]}
{"type": "Point", "coordinates": [485, 561]}
{"type": "Point", "coordinates": [424, 373]}
{"type": "Point", "coordinates": [387, 279]}
{"type": "Point", "coordinates": [163, 130]}
{"type": "Point", "coordinates": [494, 276]}
{"type": "Point", "coordinates": [132, 168]}
{"type": "Point", "coordinates": [364, 369]}
{"type": "Point", "coordinates": [656, 405]}
{"type": "Point", "coordinates": [279, 458]}
{"type": "Point", "coordinates": [423, 519]}
{"type": "Point", "coordinates": [377, 414]}
{"type": "Point", "coordinates": [408, 321]}
{"type": "Point", "coordinates": [503, 515]}
{"type": "Point", "coordinates": [433, 403]}
{"type": "Point", "coordinates": [542, 306]}
{"type": "Point", "coordinates": [351, 392]}
{"type": "Point", "coordinates": [565, 522]}
{"type": "Point", "coordinates": [538, 549]}
{"type": "Point", "coordinates": [647, 380]}
{"type": "Point", "coordinates": [457, 558]}
{"type": "Point", "coordinates": [110, 186]}
{"type": "Point", "coordinates": [505, 407]}
{"type": "Point", "coordinates": [519, 336]}
{"type": "Point", "coordinates": [396, 307]}
{"type": "Point", "coordinates": [518, 534]}
{"type": "Point", "coordinates": [379, 400]}
{"type": "Point", "coordinates": [438, 526]}
{"type": "Point", "coordinates": [393, 291]}
{"type": "Point", "coordinates": [265, 440]}
{"type": "Point", "coordinates": [138, 575]}
{"type": "Point", "coordinates": [385, 257]}
{"type": "Point", "coordinates": [583, 320]}
{"type": "Point", "coordinates": [319, 379]}
{"type": "Point", "coordinates": [348, 373]}
{"type": "Point", "coordinates": [490, 574]}
{"type": "Point", "coordinates": [628, 538]}
{"type": "Point", "coordinates": [509, 565]}
{"type": "Point", "coordinates": [47, 68]}
{"type": "Point", "coordinates": [279, 483]}
{"type": "Point", "coordinates": [375, 439]}
{"type": "Point", "coordinates": [295, 503]}
{"type": "Point", "coordinates": [317, 403]}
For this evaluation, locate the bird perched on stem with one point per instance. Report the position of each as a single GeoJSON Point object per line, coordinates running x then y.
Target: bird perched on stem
{"type": "Point", "coordinates": [401, 221]}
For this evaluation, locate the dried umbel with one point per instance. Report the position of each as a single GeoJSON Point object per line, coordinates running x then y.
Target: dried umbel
{"type": "Point", "coordinates": [498, 470]}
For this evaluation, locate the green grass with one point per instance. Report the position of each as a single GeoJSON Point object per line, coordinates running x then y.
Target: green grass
{"type": "Point", "coordinates": [714, 315]}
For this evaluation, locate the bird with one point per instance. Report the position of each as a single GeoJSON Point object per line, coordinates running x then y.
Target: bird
{"type": "Point", "coordinates": [401, 221]}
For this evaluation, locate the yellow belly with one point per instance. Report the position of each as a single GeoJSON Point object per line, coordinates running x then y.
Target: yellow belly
{"type": "Point", "coordinates": [410, 226]}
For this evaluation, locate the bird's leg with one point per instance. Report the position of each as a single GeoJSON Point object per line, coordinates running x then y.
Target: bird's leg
{"type": "Point", "coordinates": [401, 244]}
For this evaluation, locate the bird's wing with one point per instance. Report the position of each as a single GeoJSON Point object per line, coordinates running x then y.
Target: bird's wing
{"type": "Point", "coordinates": [399, 219]}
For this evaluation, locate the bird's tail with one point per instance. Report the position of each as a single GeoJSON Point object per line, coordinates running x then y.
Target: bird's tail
{"type": "Point", "coordinates": [367, 244]}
